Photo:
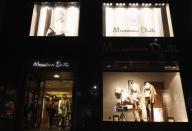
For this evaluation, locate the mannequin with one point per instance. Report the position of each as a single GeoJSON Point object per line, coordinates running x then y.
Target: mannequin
{"type": "Point", "coordinates": [63, 109]}
{"type": "Point", "coordinates": [135, 98]}
{"type": "Point", "coordinates": [149, 95]}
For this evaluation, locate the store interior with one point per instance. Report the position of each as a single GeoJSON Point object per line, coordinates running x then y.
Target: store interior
{"type": "Point", "coordinates": [44, 93]}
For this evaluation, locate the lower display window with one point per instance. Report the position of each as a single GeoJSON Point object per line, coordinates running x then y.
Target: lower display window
{"type": "Point", "coordinates": [143, 97]}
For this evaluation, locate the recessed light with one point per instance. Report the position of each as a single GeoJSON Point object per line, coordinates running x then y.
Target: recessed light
{"type": "Point", "coordinates": [56, 76]}
{"type": "Point", "coordinates": [95, 87]}
{"type": "Point", "coordinates": [108, 66]}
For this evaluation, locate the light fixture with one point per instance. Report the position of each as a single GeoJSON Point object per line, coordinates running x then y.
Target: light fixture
{"type": "Point", "coordinates": [56, 76]}
{"type": "Point", "coordinates": [123, 3]}
{"type": "Point", "coordinates": [163, 4]}
{"type": "Point", "coordinates": [149, 4]}
{"type": "Point", "coordinates": [95, 87]}
{"type": "Point", "coordinates": [143, 4]}
{"type": "Point", "coordinates": [111, 4]}
{"type": "Point", "coordinates": [103, 3]}
{"type": "Point", "coordinates": [108, 66]}
{"type": "Point", "coordinates": [117, 3]}
{"type": "Point", "coordinates": [130, 4]}
{"type": "Point", "coordinates": [137, 4]}
{"type": "Point", "coordinates": [156, 4]}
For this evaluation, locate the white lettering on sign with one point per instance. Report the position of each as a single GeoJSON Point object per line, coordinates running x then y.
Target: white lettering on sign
{"type": "Point", "coordinates": [57, 64]}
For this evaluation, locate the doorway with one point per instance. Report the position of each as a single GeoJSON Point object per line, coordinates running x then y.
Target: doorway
{"type": "Point", "coordinates": [48, 100]}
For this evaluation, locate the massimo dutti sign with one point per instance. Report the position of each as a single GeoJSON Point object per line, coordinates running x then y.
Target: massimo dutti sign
{"type": "Point", "coordinates": [140, 21]}
{"type": "Point", "coordinates": [56, 64]}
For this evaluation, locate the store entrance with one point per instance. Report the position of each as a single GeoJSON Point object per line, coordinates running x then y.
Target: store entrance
{"type": "Point", "coordinates": [48, 100]}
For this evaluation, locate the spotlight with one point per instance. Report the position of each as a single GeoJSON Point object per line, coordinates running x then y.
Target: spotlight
{"type": "Point", "coordinates": [163, 4]}
{"type": "Point", "coordinates": [120, 4]}
{"type": "Point", "coordinates": [156, 4]}
{"type": "Point", "coordinates": [150, 4]}
{"type": "Point", "coordinates": [146, 4]}
{"type": "Point", "coordinates": [130, 4]}
{"type": "Point", "coordinates": [133, 4]}
{"type": "Point", "coordinates": [117, 3]}
{"type": "Point", "coordinates": [136, 4]}
{"type": "Point", "coordinates": [107, 3]}
{"type": "Point", "coordinates": [123, 3]}
{"type": "Point", "coordinates": [103, 3]}
{"type": "Point", "coordinates": [143, 4]}
{"type": "Point", "coordinates": [111, 4]}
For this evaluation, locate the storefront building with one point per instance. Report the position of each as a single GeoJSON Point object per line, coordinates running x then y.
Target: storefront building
{"type": "Point", "coordinates": [117, 64]}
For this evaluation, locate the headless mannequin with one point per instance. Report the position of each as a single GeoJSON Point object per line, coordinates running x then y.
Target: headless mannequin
{"type": "Point", "coordinates": [149, 94]}
{"type": "Point", "coordinates": [135, 100]}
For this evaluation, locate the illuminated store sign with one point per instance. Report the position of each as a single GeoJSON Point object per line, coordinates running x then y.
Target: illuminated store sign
{"type": "Point", "coordinates": [55, 19]}
{"type": "Point", "coordinates": [57, 64]}
{"type": "Point", "coordinates": [135, 20]}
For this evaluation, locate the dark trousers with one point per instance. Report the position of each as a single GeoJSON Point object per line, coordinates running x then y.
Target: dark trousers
{"type": "Point", "coordinates": [149, 108]}
{"type": "Point", "coordinates": [51, 116]}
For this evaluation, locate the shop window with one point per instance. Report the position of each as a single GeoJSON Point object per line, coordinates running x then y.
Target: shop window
{"type": "Point", "coordinates": [55, 19]}
{"type": "Point", "coordinates": [137, 20]}
{"type": "Point", "coordinates": [149, 96]}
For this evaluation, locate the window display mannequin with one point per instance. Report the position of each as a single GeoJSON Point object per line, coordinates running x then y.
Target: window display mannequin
{"type": "Point", "coordinates": [63, 109]}
{"type": "Point", "coordinates": [135, 98]}
{"type": "Point", "coordinates": [149, 95]}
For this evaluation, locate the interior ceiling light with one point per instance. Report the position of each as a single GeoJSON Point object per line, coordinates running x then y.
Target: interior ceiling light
{"type": "Point", "coordinates": [108, 66]}
{"type": "Point", "coordinates": [56, 76]}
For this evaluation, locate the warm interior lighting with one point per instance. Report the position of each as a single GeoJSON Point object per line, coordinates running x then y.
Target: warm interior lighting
{"type": "Point", "coordinates": [56, 76]}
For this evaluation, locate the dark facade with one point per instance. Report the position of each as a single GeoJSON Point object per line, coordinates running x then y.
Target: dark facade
{"type": "Point", "coordinates": [87, 54]}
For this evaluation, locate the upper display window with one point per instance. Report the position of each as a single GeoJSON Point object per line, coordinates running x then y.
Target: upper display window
{"type": "Point", "coordinates": [55, 19]}
{"type": "Point", "coordinates": [137, 20]}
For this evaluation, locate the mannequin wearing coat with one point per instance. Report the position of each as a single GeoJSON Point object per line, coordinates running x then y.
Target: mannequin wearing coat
{"type": "Point", "coordinates": [149, 95]}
